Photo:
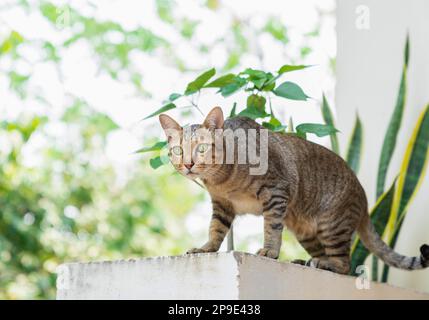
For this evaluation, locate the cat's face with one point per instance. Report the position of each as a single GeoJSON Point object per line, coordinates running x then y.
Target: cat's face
{"type": "Point", "coordinates": [191, 149]}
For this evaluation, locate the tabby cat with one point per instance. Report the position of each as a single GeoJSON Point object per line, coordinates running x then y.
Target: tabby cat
{"type": "Point", "coordinates": [306, 188]}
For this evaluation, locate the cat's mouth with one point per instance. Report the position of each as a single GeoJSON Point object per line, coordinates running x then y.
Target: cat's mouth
{"type": "Point", "coordinates": [190, 174]}
{"type": "Point", "coordinates": [193, 172]}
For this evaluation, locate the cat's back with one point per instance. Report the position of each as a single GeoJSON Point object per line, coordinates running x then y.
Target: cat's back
{"type": "Point", "coordinates": [241, 123]}
{"type": "Point", "coordinates": [293, 148]}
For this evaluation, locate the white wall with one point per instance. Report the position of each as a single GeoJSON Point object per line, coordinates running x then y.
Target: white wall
{"type": "Point", "coordinates": [223, 275]}
{"type": "Point", "coordinates": [369, 65]}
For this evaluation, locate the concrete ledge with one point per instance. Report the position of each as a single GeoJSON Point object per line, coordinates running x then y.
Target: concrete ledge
{"type": "Point", "coordinates": [229, 275]}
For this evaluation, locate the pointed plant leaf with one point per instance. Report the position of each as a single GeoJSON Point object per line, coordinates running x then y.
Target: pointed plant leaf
{"type": "Point", "coordinates": [159, 161]}
{"type": "Point", "coordinates": [221, 81]}
{"type": "Point", "coordinates": [329, 120]}
{"type": "Point", "coordinates": [253, 113]}
{"type": "Point", "coordinates": [413, 169]}
{"type": "Point", "coordinates": [390, 137]}
{"type": "Point", "coordinates": [274, 125]}
{"type": "Point", "coordinates": [257, 77]}
{"type": "Point", "coordinates": [155, 147]}
{"type": "Point", "coordinates": [174, 96]}
{"type": "Point", "coordinates": [236, 85]}
{"type": "Point", "coordinates": [290, 90]}
{"type": "Point", "coordinates": [199, 82]}
{"type": "Point", "coordinates": [165, 108]}
{"type": "Point", "coordinates": [257, 74]}
{"type": "Point", "coordinates": [412, 172]}
{"type": "Point", "coordinates": [270, 84]}
{"type": "Point", "coordinates": [355, 147]}
{"type": "Point", "coordinates": [319, 130]}
{"type": "Point", "coordinates": [289, 68]}
{"type": "Point", "coordinates": [234, 107]}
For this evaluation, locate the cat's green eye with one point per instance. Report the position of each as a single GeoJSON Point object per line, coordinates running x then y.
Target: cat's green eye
{"type": "Point", "coordinates": [203, 147]}
{"type": "Point", "coordinates": [177, 150]}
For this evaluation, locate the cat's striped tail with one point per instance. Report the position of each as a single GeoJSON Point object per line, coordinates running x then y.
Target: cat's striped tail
{"type": "Point", "coordinates": [373, 242]}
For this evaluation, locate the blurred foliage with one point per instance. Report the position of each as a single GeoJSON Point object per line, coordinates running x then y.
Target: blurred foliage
{"type": "Point", "coordinates": [72, 207]}
{"type": "Point", "coordinates": [61, 197]}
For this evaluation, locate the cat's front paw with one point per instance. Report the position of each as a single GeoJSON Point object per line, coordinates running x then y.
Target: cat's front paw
{"type": "Point", "coordinates": [266, 252]}
{"type": "Point", "coordinates": [195, 250]}
{"type": "Point", "coordinates": [201, 250]}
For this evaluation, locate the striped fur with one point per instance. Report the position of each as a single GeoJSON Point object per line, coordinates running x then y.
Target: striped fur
{"type": "Point", "coordinates": [307, 188]}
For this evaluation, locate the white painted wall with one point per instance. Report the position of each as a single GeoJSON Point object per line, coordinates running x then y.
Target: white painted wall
{"type": "Point", "coordinates": [369, 65]}
{"type": "Point", "coordinates": [225, 275]}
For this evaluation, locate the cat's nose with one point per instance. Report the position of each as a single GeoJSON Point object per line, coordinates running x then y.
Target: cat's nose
{"type": "Point", "coordinates": [189, 166]}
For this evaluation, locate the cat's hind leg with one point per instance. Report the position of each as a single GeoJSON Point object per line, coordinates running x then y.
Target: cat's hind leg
{"type": "Point", "coordinates": [313, 247]}
{"type": "Point", "coordinates": [334, 234]}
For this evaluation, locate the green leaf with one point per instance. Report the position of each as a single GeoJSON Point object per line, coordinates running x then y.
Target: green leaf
{"type": "Point", "coordinates": [290, 90]}
{"type": "Point", "coordinates": [379, 216]}
{"type": "Point", "coordinates": [389, 142]}
{"type": "Point", "coordinates": [276, 28]}
{"type": "Point", "coordinates": [274, 125]}
{"type": "Point", "coordinates": [103, 123]}
{"type": "Point", "coordinates": [233, 59]}
{"type": "Point", "coordinates": [319, 130]}
{"type": "Point", "coordinates": [24, 129]}
{"type": "Point", "coordinates": [174, 96]}
{"type": "Point", "coordinates": [256, 101]}
{"type": "Point", "coordinates": [156, 147]}
{"type": "Point", "coordinates": [355, 147]}
{"type": "Point", "coordinates": [159, 161]}
{"type": "Point", "coordinates": [253, 113]}
{"type": "Point", "coordinates": [289, 68]}
{"type": "Point", "coordinates": [11, 42]}
{"type": "Point", "coordinates": [221, 81]}
{"type": "Point", "coordinates": [407, 50]}
{"type": "Point", "coordinates": [188, 27]}
{"type": "Point", "coordinates": [199, 82]}
{"type": "Point", "coordinates": [17, 83]}
{"type": "Point", "coordinates": [254, 73]}
{"type": "Point", "coordinates": [165, 108]}
{"type": "Point", "coordinates": [269, 85]}
{"type": "Point", "coordinates": [233, 87]}
{"type": "Point", "coordinates": [165, 9]}
{"type": "Point", "coordinates": [50, 11]}
{"type": "Point", "coordinates": [257, 77]}
{"type": "Point", "coordinates": [412, 172]}
{"type": "Point", "coordinates": [390, 137]}
{"type": "Point", "coordinates": [329, 120]}
{"type": "Point", "coordinates": [415, 162]}
{"type": "Point", "coordinates": [233, 114]}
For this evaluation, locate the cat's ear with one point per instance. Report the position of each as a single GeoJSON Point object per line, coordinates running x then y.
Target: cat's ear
{"type": "Point", "coordinates": [169, 125]}
{"type": "Point", "coordinates": [214, 119]}
{"type": "Point", "coordinates": [168, 122]}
